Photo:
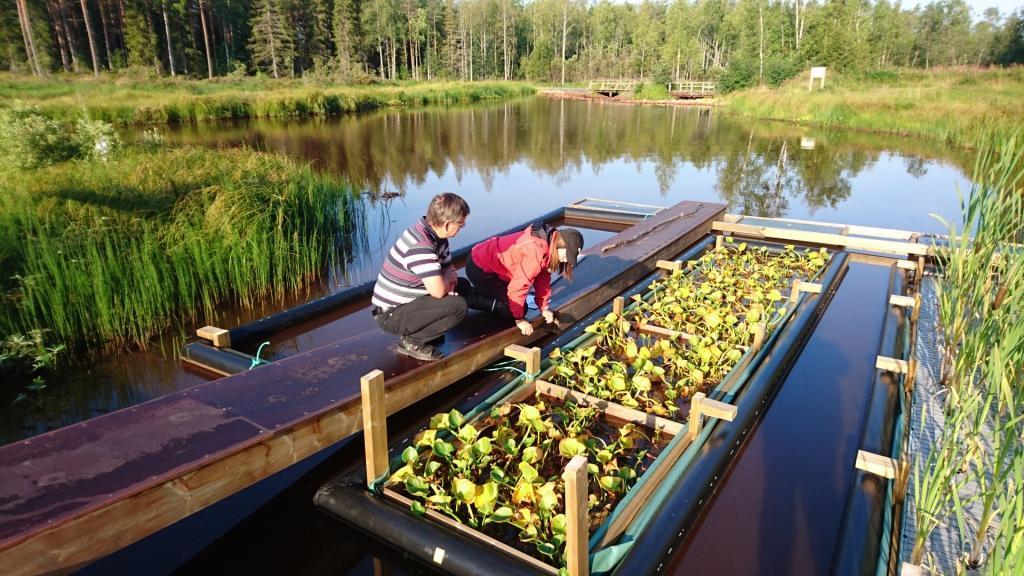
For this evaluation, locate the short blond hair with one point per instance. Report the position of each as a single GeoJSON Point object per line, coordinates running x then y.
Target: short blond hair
{"type": "Point", "coordinates": [447, 207]}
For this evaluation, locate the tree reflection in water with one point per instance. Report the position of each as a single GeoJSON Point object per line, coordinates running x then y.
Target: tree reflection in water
{"type": "Point", "coordinates": [759, 168]}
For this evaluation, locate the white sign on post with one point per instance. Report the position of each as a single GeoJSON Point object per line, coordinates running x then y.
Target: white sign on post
{"type": "Point", "coordinates": [817, 72]}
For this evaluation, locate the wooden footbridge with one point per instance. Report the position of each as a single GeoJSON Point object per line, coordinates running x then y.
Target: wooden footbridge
{"type": "Point", "coordinates": [612, 87]}
{"type": "Point", "coordinates": [689, 90]}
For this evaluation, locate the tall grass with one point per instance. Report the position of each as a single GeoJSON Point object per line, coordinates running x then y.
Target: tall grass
{"type": "Point", "coordinates": [982, 316]}
{"type": "Point", "coordinates": [179, 100]}
{"type": "Point", "coordinates": [110, 252]}
{"type": "Point", "coordinates": [959, 106]}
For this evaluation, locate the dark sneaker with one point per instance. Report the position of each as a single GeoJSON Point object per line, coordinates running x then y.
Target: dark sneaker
{"type": "Point", "coordinates": [424, 352]}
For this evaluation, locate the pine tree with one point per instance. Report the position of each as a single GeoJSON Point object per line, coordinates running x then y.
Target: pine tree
{"type": "Point", "coordinates": [270, 42]}
{"type": "Point", "coordinates": [344, 32]}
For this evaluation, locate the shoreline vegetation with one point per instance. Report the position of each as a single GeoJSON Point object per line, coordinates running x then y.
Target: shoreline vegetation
{"type": "Point", "coordinates": [955, 106]}
{"type": "Point", "coordinates": [105, 246]}
{"type": "Point", "coordinates": [132, 101]}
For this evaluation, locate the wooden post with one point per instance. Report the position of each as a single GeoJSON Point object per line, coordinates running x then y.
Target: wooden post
{"type": "Point", "coordinates": [759, 332]}
{"type": "Point", "coordinates": [220, 337]}
{"type": "Point", "coordinates": [700, 406]}
{"type": "Point", "coordinates": [530, 356]}
{"type": "Point", "coordinates": [920, 268]}
{"type": "Point", "coordinates": [719, 240]}
{"type": "Point", "coordinates": [617, 305]}
{"type": "Point", "coordinates": [577, 523]}
{"type": "Point", "coordinates": [375, 425]}
{"type": "Point", "coordinates": [795, 293]}
{"type": "Point", "coordinates": [906, 265]}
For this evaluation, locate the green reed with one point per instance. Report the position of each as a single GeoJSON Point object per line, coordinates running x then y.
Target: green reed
{"type": "Point", "coordinates": [180, 100]}
{"type": "Point", "coordinates": [981, 313]}
{"type": "Point", "coordinates": [112, 253]}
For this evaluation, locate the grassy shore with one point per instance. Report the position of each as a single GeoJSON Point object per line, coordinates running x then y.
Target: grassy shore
{"type": "Point", "coordinates": [102, 253]}
{"type": "Point", "coordinates": [956, 106]}
{"type": "Point", "coordinates": [128, 100]}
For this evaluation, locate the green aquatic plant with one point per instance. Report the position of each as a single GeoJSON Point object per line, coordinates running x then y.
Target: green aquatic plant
{"type": "Point", "coordinates": [707, 316]}
{"type": "Point", "coordinates": [501, 473]}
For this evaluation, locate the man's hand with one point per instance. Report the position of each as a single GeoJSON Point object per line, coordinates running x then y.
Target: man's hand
{"type": "Point", "coordinates": [525, 327]}
{"type": "Point", "coordinates": [451, 278]}
{"type": "Point", "coordinates": [548, 315]}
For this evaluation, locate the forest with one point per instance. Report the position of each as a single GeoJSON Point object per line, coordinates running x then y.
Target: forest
{"type": "Point", "coordinates": [739, 43]}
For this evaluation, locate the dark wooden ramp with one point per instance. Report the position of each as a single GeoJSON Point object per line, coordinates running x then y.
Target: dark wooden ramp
{"type": "Point", "coordinates": [78, 493]}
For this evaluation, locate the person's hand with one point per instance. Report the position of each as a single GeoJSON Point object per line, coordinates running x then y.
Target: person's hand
{"type": "Point", "coordinates": [451, 278]}
{"type": "Point", "coordinates": [548, 315]}
{"type": "Point", "coordinates": [525, 327]}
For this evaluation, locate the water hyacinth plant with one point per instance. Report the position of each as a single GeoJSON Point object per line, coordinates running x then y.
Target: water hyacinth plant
{"type": "Point", "coordinates": [713, 310]}
{"type": "Point", "coordinates": [501, 473]}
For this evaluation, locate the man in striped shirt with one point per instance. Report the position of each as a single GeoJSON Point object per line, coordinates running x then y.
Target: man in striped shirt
{"type": "Point", "coordinates": [417, 291]}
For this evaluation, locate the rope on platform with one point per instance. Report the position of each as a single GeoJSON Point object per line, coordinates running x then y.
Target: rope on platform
{"type": "Point", "coordinates": [256, 359]}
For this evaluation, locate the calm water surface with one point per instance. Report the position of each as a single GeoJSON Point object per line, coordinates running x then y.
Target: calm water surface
{"type": "Point", "coordinates": [514, 161]}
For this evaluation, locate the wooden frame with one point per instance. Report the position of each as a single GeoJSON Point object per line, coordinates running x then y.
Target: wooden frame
{"type": "Point", "coordinates": [219, 337]}
{"type": "Point", "coordinates": [575, 473]}
{"type": "Point", "coordinates": [827, 239]}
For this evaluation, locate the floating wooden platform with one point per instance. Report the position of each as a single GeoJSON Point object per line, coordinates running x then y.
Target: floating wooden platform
{"type": "Point", "coordinates": [76, 494]}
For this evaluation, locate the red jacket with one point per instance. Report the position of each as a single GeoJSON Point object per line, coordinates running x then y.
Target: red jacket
{"type": "Point", "coordinates": [521, 259]}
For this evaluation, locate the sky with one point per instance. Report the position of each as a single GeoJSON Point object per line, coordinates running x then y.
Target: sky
{"type": "Point", "coordinates": [979, 6]}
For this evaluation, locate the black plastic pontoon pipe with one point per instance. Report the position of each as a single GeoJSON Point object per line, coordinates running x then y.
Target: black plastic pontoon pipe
{"type": "Point", "coordinates": [451, 552]}
{"type": "Point", "coordinates": [220, 360]}
{"type": "Point", "coordinates": [857, 548]}
{"type": "Point", "coordinates": [692, 491]}
{"type": "Point", "coordinates": [265, 327]}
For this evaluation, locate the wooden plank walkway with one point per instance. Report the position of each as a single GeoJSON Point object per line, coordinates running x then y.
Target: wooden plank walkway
{"type": "Point", "coordinates": [692, 90]}
{"type": "Point", "coordinates": [78, 493]}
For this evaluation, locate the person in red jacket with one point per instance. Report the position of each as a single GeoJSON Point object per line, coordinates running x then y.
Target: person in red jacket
{"type": "Point", "coordinates": [503, 268]}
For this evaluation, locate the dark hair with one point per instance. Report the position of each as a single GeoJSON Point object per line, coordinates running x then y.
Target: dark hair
{"type": "Point", "coordinates": [447, 207]}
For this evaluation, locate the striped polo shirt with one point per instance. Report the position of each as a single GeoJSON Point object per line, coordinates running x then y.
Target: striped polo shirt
{"type": "Point", "coordinates": [417, 254]}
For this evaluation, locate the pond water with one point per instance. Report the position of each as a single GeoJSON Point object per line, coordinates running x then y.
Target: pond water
{"type": "Point", "coordinates": [516, 160]}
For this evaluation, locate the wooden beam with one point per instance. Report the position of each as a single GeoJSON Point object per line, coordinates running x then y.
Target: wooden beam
{"type": "Point", "coordinates": [617, 305]}
{"type": "Point", "coordinates": [577, 525]}
{"type": "Point", "coordinates": [530, 356]}
{"type": "Point", "coordinates": [670, 265]}
{"type": "Point", "coordinates": [666, 332]}
{"type": "Point", "coordinates": [901, 301]}
{"type": "Point", "coordinates": [891, 364]}
{"type": "Point", "coordinates": [906, 265]}
{"type": "Point", "coordinates": [824, 238]}
{"type": "Point", "coordinates": [375, 426]}
{"type": "Point", "coordinates": [219, 337]}
{"type": "Point", "coordinates": [879, 465]}
{"type": "Point", "coordinates": [700, 406]}
{"type": "Point", "coordinates": [612, 409]}
{"type": "Point", "coordinates": [887, 233]}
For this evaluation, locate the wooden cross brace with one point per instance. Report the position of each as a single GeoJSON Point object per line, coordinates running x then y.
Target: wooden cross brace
{"type": "Point", "coordinates": [701, 405]}
{"type": "Point", "coordinates": [886, 467]}
{"type": "Point", "coordinates": [530, 356]}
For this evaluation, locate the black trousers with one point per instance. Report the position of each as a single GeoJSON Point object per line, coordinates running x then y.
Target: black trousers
{"type": "Point", "coordinates": [489, 288]}
{"type": "Point", "coordinates": [425, 318]}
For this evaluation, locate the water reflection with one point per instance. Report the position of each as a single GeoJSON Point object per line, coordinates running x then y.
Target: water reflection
{"type": "Point", "coordinates": [538, 154]}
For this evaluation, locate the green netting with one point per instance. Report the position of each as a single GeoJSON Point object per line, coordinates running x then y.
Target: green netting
{"type": "Point", "coordinates": [895, 451]}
